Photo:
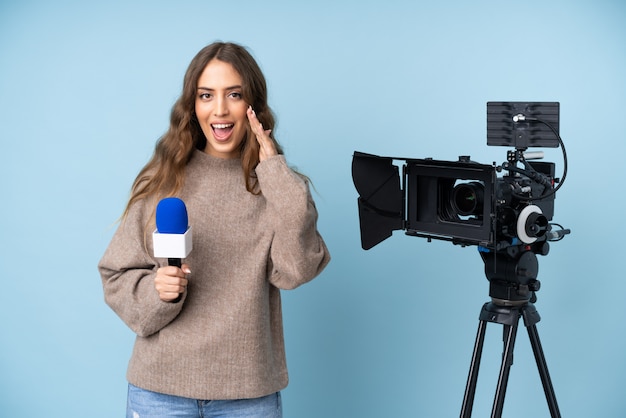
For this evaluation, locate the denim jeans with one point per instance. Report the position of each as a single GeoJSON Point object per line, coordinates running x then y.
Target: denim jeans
{"type": "Point", "coordinates": [146, 404]}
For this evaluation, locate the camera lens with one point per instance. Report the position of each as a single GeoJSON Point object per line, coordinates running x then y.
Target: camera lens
{"type": "Point", "coordinates": [467, 198]}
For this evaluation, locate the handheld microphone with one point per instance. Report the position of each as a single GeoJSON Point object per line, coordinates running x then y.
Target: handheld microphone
{"type": "Point", "coordinates": [172, 237]}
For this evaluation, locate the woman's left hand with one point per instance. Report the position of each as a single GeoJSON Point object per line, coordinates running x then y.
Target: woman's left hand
{"type": "Point", "coordinates": [266, 145]}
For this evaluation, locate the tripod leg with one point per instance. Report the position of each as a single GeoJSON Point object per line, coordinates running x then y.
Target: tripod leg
{"type": "Point", "coordinates": [507, 360]}
{"type": "Point", "coordinates": [543, 371]}
{"type": "Point", "coordinates": [472, 378]}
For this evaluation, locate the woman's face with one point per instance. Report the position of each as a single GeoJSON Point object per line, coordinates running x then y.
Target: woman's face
{"type": "Point", "coordinates": [221, 110]}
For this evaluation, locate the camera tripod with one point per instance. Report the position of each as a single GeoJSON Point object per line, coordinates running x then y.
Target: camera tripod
{"type": "Point", "coordinates": [509, 317]}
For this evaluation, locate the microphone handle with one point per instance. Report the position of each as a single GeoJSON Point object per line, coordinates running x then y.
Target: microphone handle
{"type": "Point", "coordinates": [176, 262]}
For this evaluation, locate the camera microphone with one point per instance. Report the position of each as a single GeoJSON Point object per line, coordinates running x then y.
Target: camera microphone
{"type": "Point", "coordinates": [172, 237]}
{"type": "Point", "coordinates": [533, 155]}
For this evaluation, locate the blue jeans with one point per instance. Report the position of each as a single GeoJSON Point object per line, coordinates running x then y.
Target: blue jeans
{"type": "Point", "coordinates": [146, 404]}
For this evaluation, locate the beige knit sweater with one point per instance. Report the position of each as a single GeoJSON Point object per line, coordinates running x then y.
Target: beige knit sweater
{"type": "Point", "coordinates": [224, 339]}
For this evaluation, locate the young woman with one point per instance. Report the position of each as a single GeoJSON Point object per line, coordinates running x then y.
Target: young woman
{"type": "Point", "coordinates": [209, 334]}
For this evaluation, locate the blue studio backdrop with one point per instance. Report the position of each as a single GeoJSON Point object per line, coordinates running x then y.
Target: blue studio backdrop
{"type": "Point", "coordinates": [86, 89]}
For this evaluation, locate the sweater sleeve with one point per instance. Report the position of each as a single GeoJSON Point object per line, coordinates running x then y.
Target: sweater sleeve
{"type": "Point", "coordinates": [298, 252]}
{"type": "Point", "coordinates": [128, 273]}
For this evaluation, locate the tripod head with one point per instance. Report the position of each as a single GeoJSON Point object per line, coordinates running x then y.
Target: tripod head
{"type": "Point", "coordinates": [512, 275]}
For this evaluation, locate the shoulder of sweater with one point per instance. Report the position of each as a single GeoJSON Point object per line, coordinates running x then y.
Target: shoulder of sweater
{"type": "Point", "coordinates": [275, 165]}
{"type": "Point", "coordinates": [279, 182]}
{"type": "Point", "coordinates": [139, 215]}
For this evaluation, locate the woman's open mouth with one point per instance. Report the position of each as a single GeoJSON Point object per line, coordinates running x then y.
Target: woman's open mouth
{"type": "Point", "coordinates": [222, 131]}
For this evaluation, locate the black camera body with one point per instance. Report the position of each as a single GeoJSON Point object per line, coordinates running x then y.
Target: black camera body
{"type": "Point", "coordinates": [472, 205]}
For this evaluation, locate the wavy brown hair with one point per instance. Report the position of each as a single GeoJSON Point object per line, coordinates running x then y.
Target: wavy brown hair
{"type": "Point", "coordinates": [164, 174]}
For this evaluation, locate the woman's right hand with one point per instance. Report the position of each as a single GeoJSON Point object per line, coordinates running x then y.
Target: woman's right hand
{"type": "Point", "coordinates": [171, 282]}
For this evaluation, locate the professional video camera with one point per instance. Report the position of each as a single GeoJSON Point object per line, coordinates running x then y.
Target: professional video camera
{"type": "Point", "coordinates": [507, 218]}
{"type": "Point", "coordinates": [466, 202]}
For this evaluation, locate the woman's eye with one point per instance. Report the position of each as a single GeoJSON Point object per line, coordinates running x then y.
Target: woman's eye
{"type": "Point", "coordinates": [236, 95]}
{"type": "Point", "coordinates": [204, 96]}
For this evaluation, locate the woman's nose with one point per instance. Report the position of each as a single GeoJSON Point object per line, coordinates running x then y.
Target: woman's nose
{"type": "Point", "coordinates": [221, 107]}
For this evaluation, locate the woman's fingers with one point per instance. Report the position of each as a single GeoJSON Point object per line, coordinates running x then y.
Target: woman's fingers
{"type": "Point", "coordinates": [266, 144]}
{"type": "Point", "coordinates": [171, 281]}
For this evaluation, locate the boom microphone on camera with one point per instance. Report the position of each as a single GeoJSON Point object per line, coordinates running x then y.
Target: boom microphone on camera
{"type": "Point", "coordinates": [172, 237]}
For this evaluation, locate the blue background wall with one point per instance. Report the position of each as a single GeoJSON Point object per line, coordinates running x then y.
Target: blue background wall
{"type": "Point", "coordinates": [86, 89]}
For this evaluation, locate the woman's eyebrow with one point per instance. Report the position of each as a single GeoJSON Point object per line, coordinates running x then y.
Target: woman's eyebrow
{"type": "Point", "coordinates": [227, 88]}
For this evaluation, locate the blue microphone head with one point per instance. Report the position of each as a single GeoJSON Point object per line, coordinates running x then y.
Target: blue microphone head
{"type": "Point", "coordinates": [171, 216]}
